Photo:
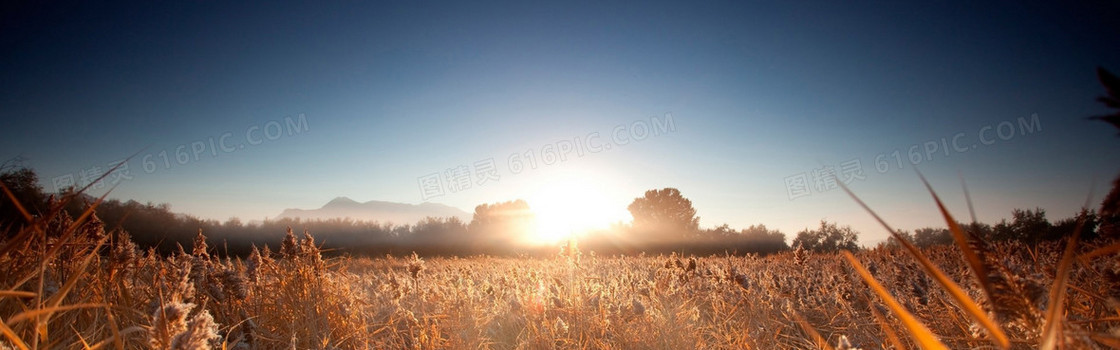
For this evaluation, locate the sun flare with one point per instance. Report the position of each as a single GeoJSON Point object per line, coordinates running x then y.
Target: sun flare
{"type": "Point", "coordinates": [570, 207]}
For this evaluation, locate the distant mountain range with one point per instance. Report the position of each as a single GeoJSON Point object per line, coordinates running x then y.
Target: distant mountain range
{"type": "Point", "coordinates": [380, 211]}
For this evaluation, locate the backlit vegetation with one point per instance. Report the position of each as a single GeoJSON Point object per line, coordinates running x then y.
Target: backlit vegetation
{"type": "Point", "coordinates": [70, 284]}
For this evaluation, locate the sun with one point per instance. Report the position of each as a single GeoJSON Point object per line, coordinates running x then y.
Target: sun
{"type": "Point", "coordinates": [568, 207]}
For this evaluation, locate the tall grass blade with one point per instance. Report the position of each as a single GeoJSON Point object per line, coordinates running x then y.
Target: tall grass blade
{"type": "Point", "coordinates": [12, 337]}
{"type": "Point", "coordinates": [1051, 331]}
{"type": "Point", "coordinates": [812, 332]}
{"type": "Point", "coordinates": [922, 335]}
{"type": "Point", "coordinates": [89, 211]}
{"type": "Point", "coordinates": [109, 172]}
{"type": "Point", "coordinates": [114, 329]}
{"type": "Point", "coordinates": [16, 293]}
{"type": "Point", "coordinates": [968, 198]}
{"type": "Point", "coordinates": [19, 206]}
{"type": "Point", "coordinates": [1110, 341]}
{"type": "Point", "coordinates": [50, 310]}
{"type": "Point", "coordinates": [965, 242]}
{"type": "Point", "coordinates": [892, 336]}
{"type": "Point", "coordinates": [56, 299]}
{"type": "Point", "coordinates": [1109, 249]}
{"type": "Point", "coordinates": [952, 288]}
{"type": "Point", "coordinates": [117, 338]}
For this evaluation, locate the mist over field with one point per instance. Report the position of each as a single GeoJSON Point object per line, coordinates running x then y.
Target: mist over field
{"type": "Point", "coordinates": [591, 175]}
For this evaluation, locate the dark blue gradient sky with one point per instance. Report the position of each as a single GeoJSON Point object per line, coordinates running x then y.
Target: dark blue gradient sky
{"type": "Point", "coordinates": [759, 94]}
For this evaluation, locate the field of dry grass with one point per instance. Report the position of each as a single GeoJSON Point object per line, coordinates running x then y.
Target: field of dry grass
{"type": "Point", "coordinates": [69, 284]}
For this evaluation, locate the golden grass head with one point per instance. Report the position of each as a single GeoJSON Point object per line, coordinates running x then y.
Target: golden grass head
{"type": "Point", "coordinates": [415, 265]}
{"type": "Point", "coordinates": [167, 322]}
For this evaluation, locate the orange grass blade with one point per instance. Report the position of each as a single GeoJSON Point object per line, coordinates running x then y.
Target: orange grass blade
{"type": "Point", "coordinates": [66, 200]}
{"type": "Point", "coordinates": [89, 211]}
{"type": "Point", "coordinates": [1109, 249]}
{"type": "Point", "coordinates": [808, 328]}
{"type": "Point", "coordinates": [1055, 309]}
{"type": "Point", "coordinates": [917, 330]}
{"type": "Point", "coordinates": [12, 337]}
{"type": "Point", "coordinates": [56, 299]}
{"type": "Point", "coordinates": [69, 234]}
{"type": "Point", "coordinates": [126, 331]}
{"type": "Point", "coordinates": [962, 239]}
{"type": "Point", "coordinates": [967, 198]}
{"type": "Point", "coordinates": [979, 268]}
{"type": "Point", "coordinates": [116, 332]}
{"type": "Point", "coordinates": [1053, 324]}
{"type": "Point", "coordinates": [49, 310]}
{"type": "Point", "coordinates": [85, 344]}
{"type": "Point", "coordinates": [20, 240]}
{"type": "Point", "coordinates": [952, 288]}
{"type": "Point", "coordinates": [16, 293]}
{"type": "Point", "coordinates": [107, 173]}
{"type": "Point", "coordinates": [12, 196]}
{"type": "Point", "coordinates": [892, 336]}
{"type": "Point", "coordinates": [1108, 340]}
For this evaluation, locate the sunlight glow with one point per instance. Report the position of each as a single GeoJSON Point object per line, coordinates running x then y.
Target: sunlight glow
{"type": "Point", "coordinates": [570, 206]}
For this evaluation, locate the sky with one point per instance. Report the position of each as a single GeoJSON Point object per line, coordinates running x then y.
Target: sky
{"type": "Point", "coordinates": [243, 110]}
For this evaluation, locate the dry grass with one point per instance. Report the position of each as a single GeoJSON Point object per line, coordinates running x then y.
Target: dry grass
{"type": "Point", "coordinates": [70, 285]}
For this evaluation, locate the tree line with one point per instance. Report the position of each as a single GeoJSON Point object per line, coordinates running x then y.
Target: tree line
{"type": "Point", "coordinates": [663, 221]}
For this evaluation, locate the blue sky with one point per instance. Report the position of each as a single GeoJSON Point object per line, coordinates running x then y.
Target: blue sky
{"type": "Point", "coordinates": [391, 92]}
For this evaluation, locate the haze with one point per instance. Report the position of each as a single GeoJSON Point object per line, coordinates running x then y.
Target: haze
{"type": "Point", "coordinates": [244, 110]}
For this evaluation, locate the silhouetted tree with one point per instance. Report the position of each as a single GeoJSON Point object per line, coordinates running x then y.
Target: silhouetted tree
{"type": "Point", "coordinates": [765, 240]}
{"type": "Point", "coordinates": [929, 236]}
{"type": "Point", "coordinates": [233, 224]}
{"type": "Point", "coordinates": [439, 229]}
{"type": "Point", "coordinates": [24, 184]}
{"type": "Point", "coordinates": [721, 231]}
{"type": "Point", "coordinates": [505, 220]}
{"type": "Point", "coordinates": [404, 230]}
{"type": "Point", "coordinates": [827, 238]}
{"type": "Point", "coordinates": [1088, 219]}
{"type": "Point", "coordinates": [664, 213]}
{"type": "Point", "coordinates": [1025, 225]}
{"type": "Point", "coordinates": [980, 229]}
{"type": "Point", "coordinates": [892, 242]}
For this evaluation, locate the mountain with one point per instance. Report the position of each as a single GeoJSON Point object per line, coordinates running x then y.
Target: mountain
{"type": "Point", "coordinates": [380, 211]}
